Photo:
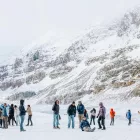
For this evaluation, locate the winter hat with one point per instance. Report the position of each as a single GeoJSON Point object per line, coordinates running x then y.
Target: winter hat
{"type": "Point", "coordinates": [73, 102]}
{"type": "Point", "coordinates": [100, 104]}
{"type": "Point", "coordinates": [79, 102]}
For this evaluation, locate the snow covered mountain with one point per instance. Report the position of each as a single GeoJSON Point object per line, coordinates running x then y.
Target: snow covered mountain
{"type": "Point", "coordinates": [104, 63]}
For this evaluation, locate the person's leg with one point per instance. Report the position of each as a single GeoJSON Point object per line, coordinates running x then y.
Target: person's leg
{"type": "Point", "coordinates": [69, 121]}
{"type": "Point", "coordinates": [93, 120]}
{"type": "Point", "coordinates": [13, 120]}
{"type": "Point", "coordinates": [129, 121]}
{"type": "Point", "coordinates": [17, 119]}
{"type": "Point", "coordinates": [28, 120]}
{"type": "Point", "coordinates": [53, 120]}
{"type": "Point", "coordinates": [73, 122]}
{"type": "Point", "coordinates": [21, 122]}
{"type": "Point", "coordinates": [9, 119]}
{"type": "Point", "coordinates": [99, 123]}
{"type": "Point", "coordinates": [86, 129]}
{"type": "Point", "coordinates": [3, 122]}
{"type": "Point", "coordinates": [79, 117]}
{"type": "Point", "coordinates": [0, 123]}
{"type": "Point", "coordinates": [6, 122]}
{"type": "Point", "coordinates": [112, 121]}
{"type": "Point", "coordinates": [91, 117]}
{"type": "Point", "coordinates": [103, 122]}
{"type": "Point", "coordinates": [31, 120]}
{"type": "Point", "coordinates": [57, 120]}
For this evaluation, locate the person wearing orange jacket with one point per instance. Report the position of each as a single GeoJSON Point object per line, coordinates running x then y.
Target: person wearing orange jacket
{"type": "Point", "coordinates": [112, 115]}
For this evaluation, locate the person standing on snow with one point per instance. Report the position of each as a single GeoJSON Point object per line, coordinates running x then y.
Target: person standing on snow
{"type": "Point", "coordinates": [85, 126]}
{"type": "Point", "coordinates": [128, 116]}
{"type": "Point", "coordinates": [56, 115]}
{"type": "Point", "coordinates": [11, 115]}
{"type": "Point", "coordinates": [29, 111]}
{"type": "Point", "coordinates": [22, 113]}
{"type": "Point", "coordinates": [80, 109]}
{"type": "Point", "coordinates": [112, 115]}
{"type": "Point", "coordinates": [16, 113]}
{"type": "Point", "coordinates": [93, 116]}
{"type": "Point", "coordinates": [5, 116]}
{"type": "Point", "coordinates": [86, 114]}
{"type": "Point", "coordinates": [71, 115]}
{"type": "Point", "coordinates": [101, 116]}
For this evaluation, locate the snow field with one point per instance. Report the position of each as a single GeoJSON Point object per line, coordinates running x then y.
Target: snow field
{"type": "Point", "coordinates": [43, 129]}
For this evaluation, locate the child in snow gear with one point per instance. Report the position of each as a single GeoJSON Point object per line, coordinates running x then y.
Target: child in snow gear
{"type": "Point", "coordinates": [101, 116]}
{"type": "Point", "coordinates": [112, 115]}
{"type": "Point", "coordinates": [16, 113]}
{"type": "Point", "coordinates": [11, 115]}
{"type": "Point", "coordinates": [128, 116]}
{"type": "Point", "coordinates": [29, 111]}
{"type": "Point", "coordinates": [85, 126]}
{"type": "Point", "coordinates": [0, 118]}
{"type": "Point", "coordinates": [93, 115]}
{"type": "Point", "coordinates": [86, 114]}
{"type": "Point", "coordinates": [71, 115]}
{"type": "Point", "coordinates": [80, 109]}
{"type": "Point", "coordinates": [22, 113]}
{"type": "Point", "coordinates": [5, 116]}
{"type": "Point", "coordinates": [56, 115]}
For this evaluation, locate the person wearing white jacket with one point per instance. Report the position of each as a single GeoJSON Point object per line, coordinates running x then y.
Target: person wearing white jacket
{"type": "Point", "coordinates": [16, 114]}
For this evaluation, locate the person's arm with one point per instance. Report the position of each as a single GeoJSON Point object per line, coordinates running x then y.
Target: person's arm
{"type": "Point", "coordinates": [68, 110]}
{"type": "Point", "coordinates": [88, 124]}
{"type": "Point", "coordinates": [53, 108]}
{"type": "Point", "coordinates": [77, 108]}
{"type": "Point", "coordinates": [75, 111]}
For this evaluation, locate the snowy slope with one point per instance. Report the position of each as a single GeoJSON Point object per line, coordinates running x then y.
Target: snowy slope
{"type": "Point", "coordinates": [102, 61]}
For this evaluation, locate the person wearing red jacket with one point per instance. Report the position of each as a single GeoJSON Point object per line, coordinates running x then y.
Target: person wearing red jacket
{"type": "Point", "coordinates": [112, 115]}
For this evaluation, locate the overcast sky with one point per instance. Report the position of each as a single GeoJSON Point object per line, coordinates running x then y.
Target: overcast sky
{"type": "Point", "coordinates": [23, 21]}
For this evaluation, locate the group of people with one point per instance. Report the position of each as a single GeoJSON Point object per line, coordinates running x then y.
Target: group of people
{"type": "Point", "coordinates": [15, 114]}
{"type": "Point", "coordinates": [83, 116]}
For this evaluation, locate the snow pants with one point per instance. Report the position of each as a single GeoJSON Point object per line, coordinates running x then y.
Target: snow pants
{"type": "Point", "coordinates": [101, 122]}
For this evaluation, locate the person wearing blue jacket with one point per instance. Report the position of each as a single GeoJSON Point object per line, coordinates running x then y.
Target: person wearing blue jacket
{"type": "Point", "coordinates": [80, 109]}
{"type": "Point", "coordinates": [85, 126]}
{"type": "Point", "coordinates": [5, 116]}
{"type": "Point", "coordinates": [22, 113]}
{"type": "Point", "coordinates": [128, 116]}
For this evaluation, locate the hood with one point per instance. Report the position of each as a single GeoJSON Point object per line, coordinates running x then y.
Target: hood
{"type": "Point", "coordinates": [101, 104]}
{"type": "Point", "coordinates": [21, 102]}
{"type": "Point", "coordinates": [79, 102]}
{"type": "Point", "coordinates": [111, 109]}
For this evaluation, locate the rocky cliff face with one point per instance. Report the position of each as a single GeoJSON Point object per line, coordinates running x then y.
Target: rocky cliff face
{"type": "Point", "coordinates": [103, 59]}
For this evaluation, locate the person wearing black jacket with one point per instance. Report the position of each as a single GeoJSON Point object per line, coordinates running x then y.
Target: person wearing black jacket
{"type": "Point", "coordinates": [11, 115]}
{"type": "Point", "coordinates": [22, 113]}
{"type": "Point", "coordinates": [56, 115]}
{"type": "Point", "coordinates": [71, 114]}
